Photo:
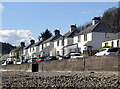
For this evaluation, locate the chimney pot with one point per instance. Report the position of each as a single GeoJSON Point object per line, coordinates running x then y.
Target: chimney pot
{"type": "Point", "coordinates": [96, 20]}
{"type": "Point", "coordinates": [32, 41]}
{"type": "Point", "coordinates": [73, 27]}
{"type": "Point", "coordinates": [57, 32]}
{"type": "Point", "coordinates": [22, 44]}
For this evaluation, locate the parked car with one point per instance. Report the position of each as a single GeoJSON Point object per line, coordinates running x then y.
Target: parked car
{"type": "Point", "coordinates": [4, 62]}
{"type": "Point", "coordinates": [50, 58]}
{"type": "Point", "coordinates": [25, 60]}
{"type": "Point", "coordinates": [75, 55]}
{"type": "Point", "coordinates": [32, 60]}
{"type": "Point", "coordinates": [107, 51]}
{"type": "Point", "coordinates": [60, 57]}
{"type": "Point", "coordinates": [40, 59]}
{"type": "Point", "coordinates": [18, 62]}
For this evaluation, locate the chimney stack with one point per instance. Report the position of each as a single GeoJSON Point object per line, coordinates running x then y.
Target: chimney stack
{"type": "Point", "coordinates": [32, 41]}
{"type": "Point", "coordinates": [96, 20]}
{"type": "Point", "coordinates": [73, 27]}
{"type": "Point", "coordinates": [22, 44]}
{"type": "Point", "coordinates": [57, 32]}
{"type": "Point", "coordinates": [42, 39]}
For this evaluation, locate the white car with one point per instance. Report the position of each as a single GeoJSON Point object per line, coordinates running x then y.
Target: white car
{"type": "Point", "coordinates": [107, 51]}
{"type": "Point", "coordinates": [4, 63]}
{"type": "Point", "coordinates": [75, 55]}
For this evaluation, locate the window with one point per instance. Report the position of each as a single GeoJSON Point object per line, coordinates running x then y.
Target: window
{"type": "Point", "coordinates": [79, 49]}
{"type": "Point", "coordinates": [58, 43]}
{"type": "Point", "coordinates": [112, 44]}
{"type": "Point", "coordinates": [30, 49]}
{"type": "Point", "coordinates": [89, 47]}
{"type": "Point", "coordinates": [117, 43]}
{"type": "Point", "coordinates": [113, 50]}
{"type": "Point", "coordinates": [78, 38]}
{"type": "Point", "coordinates": [42, 46]}
{"type": "Point", "coordinates": [106, 44]}
{"type": "Point", "coordinates": [85, 37]}
{"type": "Point", "coordinates": [33, 48]}
{"type": "Point", "coordinates": [68, 41]}
{"type": "Point", "coordinates": [63, 42]}
{"type": "Point", "coordinates": [102, 50]}
{"type": "Point", "coordinates": [57, 53]}
{"type": "Point", "coordinates": [65, 51]}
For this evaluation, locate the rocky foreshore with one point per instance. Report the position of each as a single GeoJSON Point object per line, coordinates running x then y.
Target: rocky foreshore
{"type": "Point", "coordinates": [59, 80]}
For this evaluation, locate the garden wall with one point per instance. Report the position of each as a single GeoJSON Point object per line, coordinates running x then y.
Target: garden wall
{"type": "Point", "coordinates": [104, 63]}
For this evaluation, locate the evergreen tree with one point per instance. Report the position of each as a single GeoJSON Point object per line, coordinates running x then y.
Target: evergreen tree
{"type": "Point", "coordinates": [47, 34]}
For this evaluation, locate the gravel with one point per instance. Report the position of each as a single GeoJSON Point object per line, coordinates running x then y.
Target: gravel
{"type": "Point", "coordinates": [60, 80]}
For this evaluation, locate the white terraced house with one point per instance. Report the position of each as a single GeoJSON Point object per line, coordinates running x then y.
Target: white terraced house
{"type": "Point", "coordinates": [64, 44]}
{"type": "Point", "coordinates": [113, 41]}
{"type": "Point", "coordinates": [17, 53]}
{"type": "Point", "coordinates": [46, 48]}
{"type": "Point", "coordinates": [91, 37]}
{"type": "Point", "coordinates": [33, 49]}
{"type": "Point", "coordinates": [29, 50]}
{"type": "Point", "coordinates": [40, 48]}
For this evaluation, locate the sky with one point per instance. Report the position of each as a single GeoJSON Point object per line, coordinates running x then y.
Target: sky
{"type": "Point", "coordinates": [22, 21]}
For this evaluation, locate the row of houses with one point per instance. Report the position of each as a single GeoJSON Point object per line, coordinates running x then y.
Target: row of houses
{"type": "Point", "coordinates": [92, 37]}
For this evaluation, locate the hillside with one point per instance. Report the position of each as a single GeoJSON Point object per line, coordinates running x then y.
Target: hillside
{"type": "Point", "coordinates": [112, 18]}
{"type": "Point", "coordinates": [6, 47]}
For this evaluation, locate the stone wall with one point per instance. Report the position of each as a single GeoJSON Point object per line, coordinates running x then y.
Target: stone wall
{"type": "Point", "coordinates": [104, 63]}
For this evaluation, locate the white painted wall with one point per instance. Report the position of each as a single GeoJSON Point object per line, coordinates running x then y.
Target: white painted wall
{"type": "Point", "coordinates": [110, 43]}
{"type": "Point", "coordinates": [58, 48]}
{"type": "Point", "coordinates": [95, 38]}
{"type": "Point", "coordinates": [31, 51]}
{"type": "Point", "coordinates": [98, 38]}
{"type": "Point", "coordinates": [67, 41]}
{"type": "Point", "coordinates": [40, 47]}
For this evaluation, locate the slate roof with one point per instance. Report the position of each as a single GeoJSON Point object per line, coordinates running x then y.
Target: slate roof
{"type": "Point", "coordinates": [116, 36]}
{"type": "Point", "coordinates": [28, 46]}
{"type": "Point", "coordinates": [69, 34]}
{"type": "Point", "coordinates": [99, 27]}
{"type": "Point", "coordinates": [48, 48]}
{"type": "Point", "coordinates": [37, 43]}
{"type": "Point", "coordinates": [52, 38]}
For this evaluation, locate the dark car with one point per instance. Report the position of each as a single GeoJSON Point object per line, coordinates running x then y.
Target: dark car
{"type": "Point", "coordinates": [25, 60]}
{"type": "Point", "coordinates": [49, 58]}
{"type": "Point", "coordinates": [32, 60]}
{"type": "Point", "coordinates": [40, 59]}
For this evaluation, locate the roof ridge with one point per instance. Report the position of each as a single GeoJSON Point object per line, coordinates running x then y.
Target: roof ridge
{"type": "Point", "coordinates": [96, 26]}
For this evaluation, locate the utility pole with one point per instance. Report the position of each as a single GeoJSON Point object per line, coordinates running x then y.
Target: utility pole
{"type": "Point", "coordinates": [63, 45]}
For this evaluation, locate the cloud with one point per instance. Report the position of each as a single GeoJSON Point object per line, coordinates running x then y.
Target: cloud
{"type": "Point", "coordinates": [1, 7]}
{"type": "Point", "coordinates": [92, 12]}
{"type": "Point", "coordinates": [14, 37]}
